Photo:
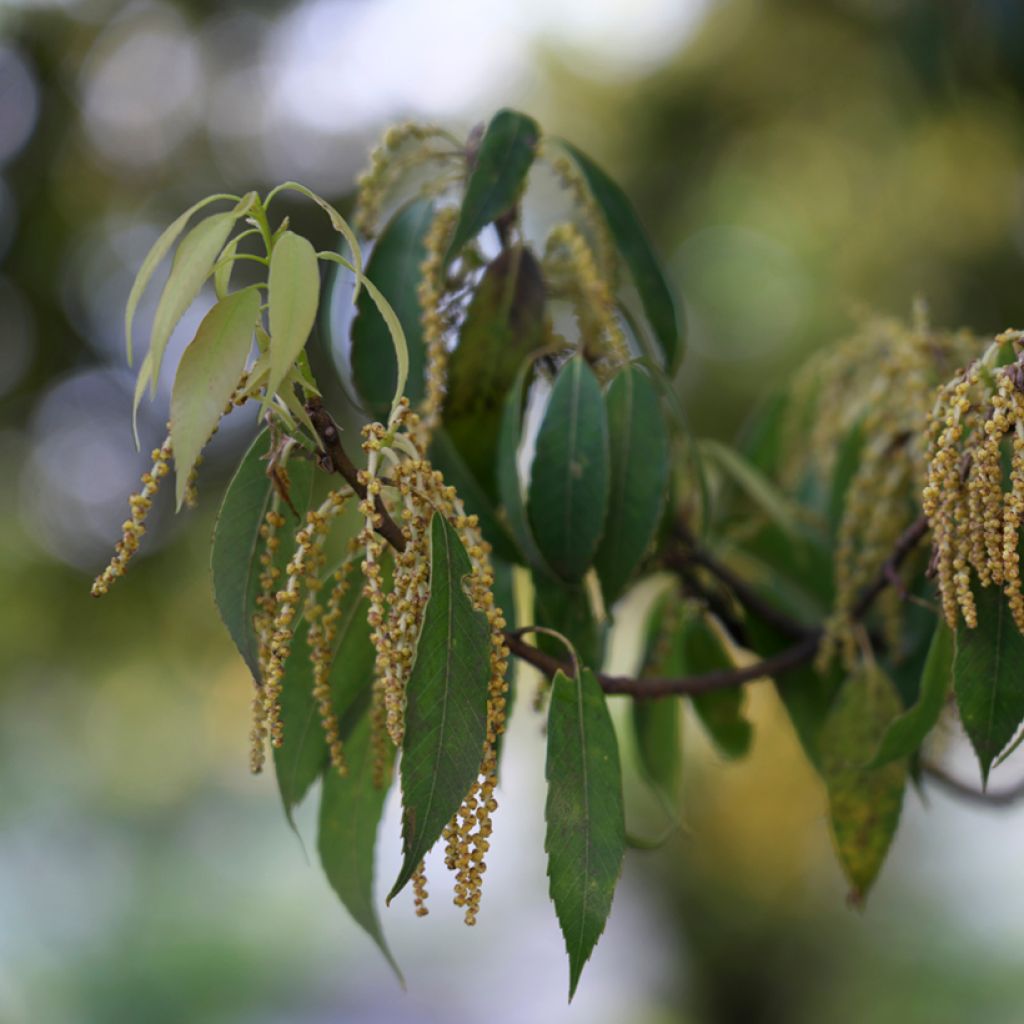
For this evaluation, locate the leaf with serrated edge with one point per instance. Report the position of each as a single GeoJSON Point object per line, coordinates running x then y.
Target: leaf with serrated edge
{"type": "Point", "coordinates": [505, 155]}
{"type": "Point", "coordinates": [639, 478]}
{"type": "Point", "coordinates": [636, 250]}
{"type": "Point", "coordinates": [586, 831]}
{"type": "Point", "coordinates": [570, 475]}
{"type": "Point", "coordinates": [207, 376]}
{"type": "Point", "coordinates": [446, 703]}
{"type": "Point", "coordinates": [192, 264]}
{"type": "Point", "coordinates": [394, 266]}
{"type": "Point", "coordinates": [864, 803]}
{"type": "Point", "coordinates": [350, 813]}
{"type": "Point", "coordinates": [294, 294]}
{"type": "Point", "coordinates": [237, 544]}
{"type": "Point", "coordinates": [987, 677]}
{"type": "Point", "coordinates": [161, 247]}
{"type": "Point", "coordinates": [907, 731]}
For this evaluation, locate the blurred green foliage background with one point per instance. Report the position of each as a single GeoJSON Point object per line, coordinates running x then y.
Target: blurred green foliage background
{"type": "Point", "coordinates": [796, 161]}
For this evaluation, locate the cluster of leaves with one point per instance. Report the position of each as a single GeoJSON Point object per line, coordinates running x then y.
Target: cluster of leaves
{"type": "Point", "coordinates": [564, 440]}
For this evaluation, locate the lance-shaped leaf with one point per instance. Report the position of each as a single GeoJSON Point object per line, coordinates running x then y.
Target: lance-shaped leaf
{"type": "Point", "coordinates": [208, 374]}
{"type": "Point", "coordinates": [639, 478]}
{"type": "Point", "coordinates": [907, 731]}
{"type": "Point", "coordinates": [636, 250]}
{"type": "Point", "coordinates": [294, 293]}
{"type": "Point", "coordinates": [864, 803]}
{"type": "Point", "coordinates": [987, 677]}
{"type": "Point", "coordinates": [161, 247]}
{"type": "Point", "coordinates": [586, 832]}
{"type": "Point", "coordinates": [502, 161]}
{"type": "Point", "coordinates": [350, 813]}
{"type": "Point", "coordinates": [192, 264]}
{"type": "Point", "coordinates": [503, 325]}
{"type": "Point", "coordinates": [446, 703]}
{"type": "Point", "coordinates": [303, 755]}
{"type": "Point", "coordinates": [237, 544]}
{"type": "Point", "coordinates": [570, 475]}
{"type": "Point", "coordinates": [394, 266]}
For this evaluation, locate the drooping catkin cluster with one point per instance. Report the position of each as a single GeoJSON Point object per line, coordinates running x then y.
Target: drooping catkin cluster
{"type": "Point", "coordinates": [572, 271]}
{"type": "Point", "coordinates": [413, 493]}
{"type": "Point", "coordinates": [974, 494]}
{"type": "Point", "coordinates": [878, 384]}
{"type": "Point", "coordinates": [404, 148]}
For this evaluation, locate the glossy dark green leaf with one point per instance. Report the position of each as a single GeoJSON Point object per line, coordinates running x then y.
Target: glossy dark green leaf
{"type": "Point", "coordinates": [446, 703]}
{"type": "Point", "coordinates": [638, 255]}
{"type": "Point", "coordinates": [987, 677]}
{"type": "Point", "coordinates": [444, 456]}
{"type": "Point", "coordinates": [497, 176]}
{"type": "Point", "coordinates": [638, 445]}
{"type": "Point", "coordinates": [565, 608]}
{"type": "Point", "coordinates": [864, 803]}
{"type": "Point", "coordinates": [350, 813]}
{"type": "Point", "coordinates": [237, 545]}
{"type": "Point", "coordinates": [303, 755]}
{"type": "Point", "coordinates": [503, 325]}
{"type": "Point", "coordinates": [394, 266]}
{"type": "Point", "coordinates": [570, 476]}
{"type": "Point", "coordinates": [720, 711]}
{"type": "Point", "coordinates": [907, 731]}
{"type": "Point", "coordinates": [586, 833]}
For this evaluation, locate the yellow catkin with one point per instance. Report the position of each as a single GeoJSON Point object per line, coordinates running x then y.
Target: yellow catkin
{"type": "Point", "coordinates": [419, 890]}
{"type": "Point", "coordinates": [133, 528]}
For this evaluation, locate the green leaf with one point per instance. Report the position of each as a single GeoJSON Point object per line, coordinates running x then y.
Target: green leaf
{"type": "Point", "coordinates": [987, 677]}
{"type": "Point", "coordinates": [161, 247]}
{"type": "Point", "coordinates": [720, 711]}
{"type": "Point", "coordinates": [303, 755]}
{"type": "Point", "coordinates": [907, 731]}
{"type": "Point", "coordinates": [294, 295]}
{"type": "Point", "coordinates": [496, 180]}
{"type": "Point", "coordinates": [586, 830]}
{"type": "Point", "coordinates": [639, 478]}
{"type": "Point", "coordinates": [446, 703]}
{"type": "Point", "coordinates": [864, 803]}
{"type": "Point", "coordinates": [192, 264]}
{"type": "Point", "coordinates": [565, 608]}
{"type": "Point", "coordinates": [504, 324]}
{"type": "Point", "coordinates": [632, 243]}
{"type": "Point", "coordinates": [394, 266]}
{"type": "Point", "coordinates": [350, 813]}
{"type": "Point", "coordinates": [445, 457]}
{"type": "Point", "coordinates": [658, 742]}
{"type": "Point", "coordinates": [207, 376]}
{"type": "Point", "coordinates": [237, 544]}
{"type": "Point", "coordinates": [570, 475]}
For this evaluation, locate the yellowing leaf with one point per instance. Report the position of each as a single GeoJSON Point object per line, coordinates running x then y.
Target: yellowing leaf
{"type": "Point", "coordinates": [207, 375]}
{"type": "Point", "coordinates": [294, 296]}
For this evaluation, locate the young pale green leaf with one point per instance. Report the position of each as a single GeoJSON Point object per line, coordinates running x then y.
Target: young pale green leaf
{"type": "Point", "coordinates": [864, 803]}
{"type": "Point", "coordinates": [632, 243]}
{"type": "Point", "coordinates": [303, 755]}
{"type": "Point", "coordinates": [509, 489]}
{"type": "Point", "coordinates": [237, 544]}
{"type": "Point", "coordinates": [294, 295]}
{"type": "Point", "coordinates": [350, 813]}
{"type": "Point", "coordinates": [503, 325]}
{"type": "Point", "coordinates": [586, 830]}
{"type": "Point", "coordinates": [161, 247]}
{"type": "Point", "coordinates": [496, 180]}
{"type": "Point", "coordinates": [394, 266]}
{"type": "Point", "coordinates": [639, 478]}
{"type": "Point", "coordinates": [446, 703]}
{"type": "Point", "coordinates": [208, 374]}
{"type": "Point", "coordinates": [193, 261]}
{"type": "Point", "coordinates": [720, 711]}
{"type": "Point", "coordinates": [569, 481]}
{"type": "Point", "coordinates": [907, 731]}
{"type": "Point", "coordinates": [987, 677]}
